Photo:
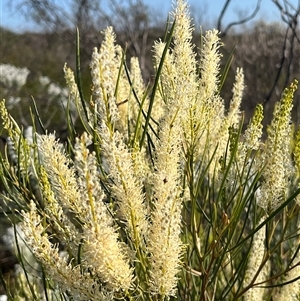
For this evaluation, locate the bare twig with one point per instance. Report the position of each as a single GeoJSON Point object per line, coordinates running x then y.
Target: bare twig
{"type": "Point", "coordinates": [235, 23]}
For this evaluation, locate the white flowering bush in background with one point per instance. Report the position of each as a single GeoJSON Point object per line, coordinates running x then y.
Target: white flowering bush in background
{"type": "Point", "coordinates": [13, 77]}
{"type": "Point", "coordinates": [163, 196]}
{"type": "Point", "coordinates": [51, 99]}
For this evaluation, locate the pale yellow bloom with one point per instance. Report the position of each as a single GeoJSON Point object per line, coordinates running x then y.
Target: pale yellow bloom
{"type": "Point", "coordinates": [105, 258]}
{"type": "Point", "coordinates": [203, 121]}
{"type": "Point", "coordinates": [184, 57]}
{"type": "Point", "coordinates": [291, 291]}
{"type": "Point", "coordinates": [64, 228]}
{"type": "Point", "coordinates": [191, 106]}
{"type": "Point", "coordinates": [8, 123]}
{"type": "Point", "coordinates": [247, 161]}
{"type": "Point", "coordinates": [253, 132]}
{"type": "Point", "coordinates": [210, 65]}
{"type": "Point", "coordinates": [164, 242]}
{"type": "Point", "coordinates": [17, 145]}
{"type": "Point", "coordinates": [104, 71]}
{"type": "Point", "coordinates": [126, 188]}
{"type": "Point", "coordinates": [75, 105]}
{"type": "Point", "coordinates": [107, 87]}
{"type": "Point", "coordinates": [297, 151]}
{"type": "Point", "coordinates": [83, 196]}
{"type": "Point", "coordinates": [231, 122]}
{"type": "Point", "coordinates": [70, 279]}
{"type": "Point", "coordinates": [103, 253]}
{"type": "Point", "coordinates": [256, 257]}
{"type": "Point", "coordinates": [60, 174]}
{"type": "Point", "coordinates": [178, 77]}
{"type": "Point", "coordinates": [71, 83]}
{"type": "Point", "coordinates": [111, 89]}
{"type": "Point", "coordinates": [278, 168]}
{"type": "Point", "coordinates": [234, 117]}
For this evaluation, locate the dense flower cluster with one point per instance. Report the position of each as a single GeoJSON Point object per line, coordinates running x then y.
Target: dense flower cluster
{"type": "Point", "coordinates": [160, 194]}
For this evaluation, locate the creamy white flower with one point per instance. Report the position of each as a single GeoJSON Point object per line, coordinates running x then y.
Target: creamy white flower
{"type": "Point", "coordinates": [256, 257]}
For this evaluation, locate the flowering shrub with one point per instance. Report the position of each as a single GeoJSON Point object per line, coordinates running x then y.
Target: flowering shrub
{"type": "Point", "coordinates": [51, 99]}
{"type": "Point", "coordinates": [163, 196]}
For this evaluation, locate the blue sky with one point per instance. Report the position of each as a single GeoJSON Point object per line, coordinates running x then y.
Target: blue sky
{"type": "Point", "coordinates": [202, 10]}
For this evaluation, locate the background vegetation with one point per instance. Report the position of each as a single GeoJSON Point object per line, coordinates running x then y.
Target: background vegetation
{"type": "Point", "coordinates": [269, 53]}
